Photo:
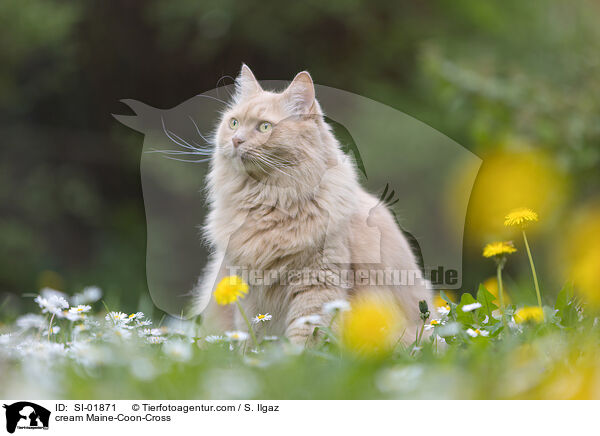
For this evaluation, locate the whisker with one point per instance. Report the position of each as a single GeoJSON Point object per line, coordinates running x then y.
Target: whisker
{"type": "Point", "coordinates": [211, 97]}
{"type": "Point", "coordinates": [179, 152]}
{"type": "Point", "coordinates": [187, 160]}
{"type": "Point", "coordinates": [198, 130]}
{"type": "Point", "coordinates": [187, 144]}
{"type": "Point", "coordinates": [276, 163]}
{"type": "Point", "coordinates": [270, 165]}
{"type": "Point", "coordinates": [276, 159]}
{"type": "Point", "coordinates": [170, 136]}
{"type": "Point", "coordinates": [258, 165]}
{"type": "Point", "coordinates": [283, 161]}
{"type": "Point", "coordinates": [183, 143]}
{"type": "Point", "coordinates": [225, 86]}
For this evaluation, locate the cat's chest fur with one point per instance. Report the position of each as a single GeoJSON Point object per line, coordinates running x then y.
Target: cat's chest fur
{"type": "Point", "coordinates": [266, 237]}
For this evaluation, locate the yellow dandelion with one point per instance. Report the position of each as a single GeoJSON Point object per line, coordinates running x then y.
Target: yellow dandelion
{"type": "Point", "coordinates": [371, 326]}
{"type": "Point", "coordinates": [230, 289]}
{"type": "Point", "coordinates": [581, 254]}
{"type": "Point", "coordinates": [585, 275]}
{"type": "Point", "coordinates": [529, 314]}
{"type": "Point", "coordinates": [520, 217]}
{"type": "Point", "coordinates": [498, 248]}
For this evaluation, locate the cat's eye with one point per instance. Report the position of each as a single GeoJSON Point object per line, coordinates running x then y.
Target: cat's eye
{"type": "Point", "coordinates": [264, 127]}
{"type": "Point", "coordinates": [233, 123]}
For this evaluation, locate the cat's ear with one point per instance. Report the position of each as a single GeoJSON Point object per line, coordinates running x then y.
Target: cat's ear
{"type": "Point", "coordinates": [246, 84]}
{"type": "Point", "coordinates": [300, 95]}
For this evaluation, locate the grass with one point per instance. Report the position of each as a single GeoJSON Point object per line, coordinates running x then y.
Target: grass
{"type": "Point", "coordinates": [108, 358]}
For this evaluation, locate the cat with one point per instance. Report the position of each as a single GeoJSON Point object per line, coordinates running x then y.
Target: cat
{"type": "Point", "coordinates": [284, 197]}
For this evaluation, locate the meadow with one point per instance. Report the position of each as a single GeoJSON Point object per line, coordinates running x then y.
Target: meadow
{"type": "Point", "coordinates": [481, 346]}
{"type": "Point", "coordinates": [515, 83]}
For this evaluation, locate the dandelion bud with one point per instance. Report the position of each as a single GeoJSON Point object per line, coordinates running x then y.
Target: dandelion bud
{"type": "Point", "coordinates": [424, 309]}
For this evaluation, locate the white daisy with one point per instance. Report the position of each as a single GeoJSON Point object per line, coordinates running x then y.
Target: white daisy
{"type": "Point", "coordinates": [262, 318]}
{"type": "Point", "coordinates": [270, 338]}
{"type": "Point", "coordinates": [122, 332]}
{"type": "Point", "coordinates": [443, 310]}
{"type": "Point", "coordinates": [82, 308]}
{"type": "Point", "coordinates": [48, 293]}
{"type": "Point", "coordinates": [477, 332]}
{"type": "Point", "coordinates": [77, 313]}
{"type": "Point", "coordinates": [139, 319]}
{"type": "Point", "coordinates": [41, 349]}
{"type": "Point", "coordinates": [156, 339]}
{"type": "Point", "coordinates": [90, 294]}
{"type": "Point", "coordinates": [213, 339]}
{"type": "Point", "coordinates": [336, 306]}
{"type": "Point", "coordinates": [55, 330]}
{"type": "Point", "coordinates": [178, 350]}
{"type": "Point", "coordinates": [137, 315]}
{"type": "Point", "coordinates": [118, 318]}
{"type": "Point", "coordinates": [433, 323]}
{"type": "Point", "coordinates": [182, 327]}
{"type": "Point", "coordinates": [471, 307]}
{"type": "Point", "coordinates": [159, 331]}
{"type": "Point", "coordinates": [237, 335]}
{"type": "Point", "coordinates": [53, 304]}
{"type": "Point", "coordinates": [30, 321]}
{"type": "Point", "coordinates": [73, 316]}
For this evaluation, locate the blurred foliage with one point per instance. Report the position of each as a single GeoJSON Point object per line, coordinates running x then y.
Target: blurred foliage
{"type": "Point", "coordinates": [474, 352]}
{"type": "Point", "coordinates": [500, 77]}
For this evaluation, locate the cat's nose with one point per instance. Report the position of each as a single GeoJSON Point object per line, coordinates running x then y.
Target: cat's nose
{"type": "Point", "coordinates": [236, 141]}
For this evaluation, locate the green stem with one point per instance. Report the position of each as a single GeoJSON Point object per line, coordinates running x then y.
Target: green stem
{"type": "Point", "coordinates": [535, 279]}
{"type": "Point", "coordinates": [50, 326]}
{"type": "Point", "coordinates": [248, 324]}
{"type": "Point", "coordinates": [335, 314]}
{"type": "Point", "coordinates": [420, 334]}
{"type": "Point", "coordinates": [500, 288]}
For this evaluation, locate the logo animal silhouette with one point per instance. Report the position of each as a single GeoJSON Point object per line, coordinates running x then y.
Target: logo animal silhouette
{"type": "Point", "coordinates": [26, 414]}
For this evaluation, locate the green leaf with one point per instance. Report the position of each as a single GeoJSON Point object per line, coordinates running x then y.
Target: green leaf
{"type": "Point", "coordinates": [328, 334]}
{"type": "Point", "coordinates": [486, 298]}
{"type": "Point", "coordinates": [466, 318]}
{"type": "Point", "coordinates": [495, 329]}
{"type": "Point", "coordinates": [566, 306]}
{"type": "Point", "coordinates": [447, 299]}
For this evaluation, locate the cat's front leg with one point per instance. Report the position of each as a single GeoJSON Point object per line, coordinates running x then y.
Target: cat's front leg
{"type": "Point", "coordinates": [306, 312]}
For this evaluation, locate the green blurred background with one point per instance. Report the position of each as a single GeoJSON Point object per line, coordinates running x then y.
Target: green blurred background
{"type": "Point", "coordinates": [516, 82]}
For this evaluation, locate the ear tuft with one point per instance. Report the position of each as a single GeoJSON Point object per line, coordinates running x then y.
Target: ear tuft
{"type": "Point", "coordinates": [300, 95]}
{"type": "Point", "coordinates": [246, 84]}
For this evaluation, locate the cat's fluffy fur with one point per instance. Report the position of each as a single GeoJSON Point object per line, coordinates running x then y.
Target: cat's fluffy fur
{"type": "Point", "coordinates": [287, 198]}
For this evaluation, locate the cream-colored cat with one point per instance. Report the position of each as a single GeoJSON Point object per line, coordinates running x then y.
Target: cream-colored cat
{"type": "Point", "coordinates": [285, 199]}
